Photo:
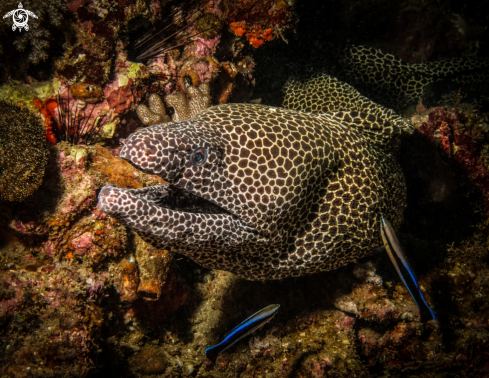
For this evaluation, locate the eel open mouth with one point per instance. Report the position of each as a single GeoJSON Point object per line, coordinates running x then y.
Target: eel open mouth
{"type": "Point", "coordinates": [165, 196]}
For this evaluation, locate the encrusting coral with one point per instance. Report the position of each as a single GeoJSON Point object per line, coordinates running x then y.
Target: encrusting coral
{"type": "Point", "coordinates": [208, 25]}
{"type": "Point", "coordinates": [48, 320]}
{"type": "Point", "coordinates": [22, 152]}
{"type": "Point", "coordinates": [186, 108]}
{"type": "Point", "coordinates": [156, 112]}
{"type": "Point", "coordinates": [461, 134]}
{"type": "Point", "coordinates": [260, 21]}
{"type": "Point", "coordinates": [150, 360]}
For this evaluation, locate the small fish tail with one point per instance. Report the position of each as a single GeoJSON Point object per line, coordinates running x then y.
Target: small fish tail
{"type": "Point", "coordinates": [404, 270]}
{"type": "Point", "coordinates": [212, 352]}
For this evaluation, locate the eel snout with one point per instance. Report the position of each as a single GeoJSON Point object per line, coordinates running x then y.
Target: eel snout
{"type": "Point", "coordinates": [110, 200]}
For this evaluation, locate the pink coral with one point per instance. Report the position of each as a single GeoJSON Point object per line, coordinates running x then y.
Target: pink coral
{"type": "Point", "coordinates": [459, 144]}
{"type": "Point", "coordinates": [57, 305]}
{"type": "Point", "coordinates": [83, 243]}
{"type": "Point", "coordinates": [206, 46]}
{"type": "Point", "coordinates": [119, 97]}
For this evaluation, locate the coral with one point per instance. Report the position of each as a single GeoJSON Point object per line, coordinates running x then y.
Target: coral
{"type": "Point", "coordinates": [195, 71]}
{"type": "Point", "coordinates": [47, 109]}
{"type": "Point", "coordinates": [156, 112]}
{"type": "Point", "coordinates": [49, 318]}
{"type": "Point", "coordinates": [370, 301]}
{"type": "Point", "coordinates": [37, 97]}
{"type": "Point", "coordinates": [71, 227]}
{"type": "Point", "coordinates": [127, 279]}
{"type": "Point", "coordinates": [185, 108]}
{"type": "Point", "coordinates": [153, 265]}
{"type": "Point", "coordinates": [142, 275]}
{"type": "Point", "coordinates": [208, 25]}
{"type": "Point", "coordinates": [93, 117]}
{"type": "Point", "coordinates": [255, 34]}
{"type": "Point", "coordinates": [149, 360]}
{"type": "Point", "coordinates": [462, 138]}
{"type": "Point", "coordinates": [22, 152]}
{"type": "Point", "coordinates": [260, 21]}
{"type": "Point", "coordinates": [89, 59]}
{"type": "Point", "coordinates": [204, 47]}
{"type": "Point", "coordinates": [229, 84]}
{"type": "Point", "coordinates": [24, 94]}
{"type": "Point", "coordinates": [151, 313]}
{"type": "Point", "coordinates": [179, 102]}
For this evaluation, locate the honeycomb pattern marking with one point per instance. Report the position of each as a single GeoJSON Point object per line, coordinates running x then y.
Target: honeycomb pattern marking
{"type": "Point", "coordinates": [396, 84]}
{"type": "Point", "coordinates": [322, 93]}
{"type": "Point", "coordinates": [298, 192]}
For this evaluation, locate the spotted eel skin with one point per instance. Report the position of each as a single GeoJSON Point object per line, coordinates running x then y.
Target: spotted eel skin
{"type": "Point", "coordinates": [384, 78]}
{"type": "Point", "coordinates": [322, 93]}
{"type": "Point", "coordinates": [281, 193]}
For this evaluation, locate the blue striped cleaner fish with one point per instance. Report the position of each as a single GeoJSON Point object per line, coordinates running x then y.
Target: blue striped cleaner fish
{"type": "Point", "coordinates": [401, 264]}
{"type": "Point", "coordinates": [243, 329]}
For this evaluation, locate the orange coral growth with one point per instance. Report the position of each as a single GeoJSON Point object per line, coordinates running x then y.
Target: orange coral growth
{"type": "Point", "coordinates": [47, 110]}
{"type": "Point", "coordinates": [267, 34]}
{"type": "Point", "coordinates": [238, 28]}
{"type": "Point", "coordinates": [255, 42]}
{"type": "Point", "coordinates": [255, 34]}
{"type": "Point", "coordinates": [260, 21]}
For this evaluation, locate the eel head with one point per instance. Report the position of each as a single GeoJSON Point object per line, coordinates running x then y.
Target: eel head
{"type": "Point", "coordinates": [232, 178]}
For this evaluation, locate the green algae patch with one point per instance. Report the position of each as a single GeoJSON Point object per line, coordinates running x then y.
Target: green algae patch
{"type": "Point", "coordinates": [22, 94]}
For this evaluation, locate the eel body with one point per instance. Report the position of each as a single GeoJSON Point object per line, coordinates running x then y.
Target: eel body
{"type": "Point", "coordinates": [265, 192]}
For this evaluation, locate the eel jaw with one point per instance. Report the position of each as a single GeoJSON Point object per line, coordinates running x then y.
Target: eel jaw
{"type": "Point", "coordinates": [163, 196]}
{"type": "Point", "coordinates": [163, 214]}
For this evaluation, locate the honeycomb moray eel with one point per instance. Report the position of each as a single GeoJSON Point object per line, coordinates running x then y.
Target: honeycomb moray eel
{"type": "Point", "coordinates": [390, 81]}
{"type": "Point", "coordinates": [321, 93]}
{"type": "Point", "coordinates": [264, 192]}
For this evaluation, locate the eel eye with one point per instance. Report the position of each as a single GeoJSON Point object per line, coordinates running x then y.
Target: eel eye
{"type": "Point", "coordinates": [198, 157]}
{"type": "Point", "coordinates": [89, 89]}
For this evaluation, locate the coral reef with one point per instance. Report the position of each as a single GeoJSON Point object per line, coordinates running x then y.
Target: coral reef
{"type": "Point", "coordinates": [48, 109]}
{"type": "Point", "coordinates": [142, 275]}
{"type": "Point", "coordinates": [89, 59]}
{"type": "Point", "coordinates": [156, 112]}
{"type": "Point", "coordinates": [51, 291]}
{"type": "Point", "coordinates": [153, 265]}
{"type": "Point", "coordinates": [208, 25]}
{"type": "Point", "coordinates": [127, 279]}
{"type": "Point", "coordinates": [24, 94]}
{"type": "Point", "coordinates": [74, 229]}
{"type": "Point", "coordinates": [80, 295]}
{"type": "Point", "coordinates": [88, 116]}
{"type": "Point", "coordinates": [22, 152]}
{"type": "Point", "coordinates": [259, 21]}
{"type": "Point", "coordinates": [185, 108]}
{"type": "Point", "coordinates": [462, 134]}
{"type": "Point", "coordinates": [149, 360]}
{"type": "Point", "coordinates": [48, 320]}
